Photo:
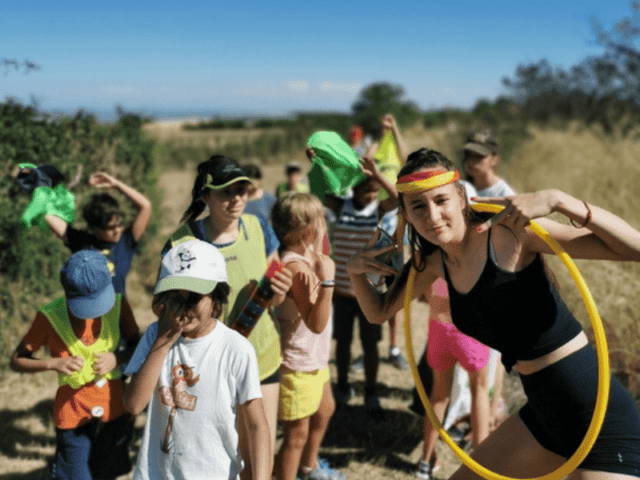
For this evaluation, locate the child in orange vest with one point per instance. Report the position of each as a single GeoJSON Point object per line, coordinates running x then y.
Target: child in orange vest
{"type": "Point", "coordinates": [82, 331]}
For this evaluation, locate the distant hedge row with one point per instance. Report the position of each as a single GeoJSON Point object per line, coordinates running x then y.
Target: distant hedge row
{"type": "Point", "coordinates": [30, 258]}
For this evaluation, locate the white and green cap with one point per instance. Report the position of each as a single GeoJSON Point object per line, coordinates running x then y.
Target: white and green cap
{"type": "Point", "coordinates": [192, 265]}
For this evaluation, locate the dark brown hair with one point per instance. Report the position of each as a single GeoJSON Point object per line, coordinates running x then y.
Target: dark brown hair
{"type": "Point", "coordinates": [205, 168]}
{"type": "Point", "coordinates": [427, 158]}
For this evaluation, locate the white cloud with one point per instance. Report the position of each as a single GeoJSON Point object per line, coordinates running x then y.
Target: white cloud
{"type": "Point", "coordinates": [298, 86]}
{"type": "Point", "coordinates": [328, 86]}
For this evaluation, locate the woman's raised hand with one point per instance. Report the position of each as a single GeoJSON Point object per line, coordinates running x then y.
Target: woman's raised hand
{"type": "Point", "coordinates": [365, 261]}
{"type": "Point", "coordinates": [519, 210]}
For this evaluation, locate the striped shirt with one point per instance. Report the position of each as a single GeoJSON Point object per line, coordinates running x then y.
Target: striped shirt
{"type": "Point", "coordinates": [352, 230]}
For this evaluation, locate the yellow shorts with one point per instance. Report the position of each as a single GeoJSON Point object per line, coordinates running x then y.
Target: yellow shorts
{"type": "Point", "coordinates": [301, 392]}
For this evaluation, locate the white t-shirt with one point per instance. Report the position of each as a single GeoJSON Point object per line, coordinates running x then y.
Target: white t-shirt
{"type": "Point", "coordinates": [498, 189]}
{"type": "Point", "coordinates": [207, 378]}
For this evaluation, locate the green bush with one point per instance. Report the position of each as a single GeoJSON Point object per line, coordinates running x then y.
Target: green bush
{"type": "Point", "coordinates": [30, 258]}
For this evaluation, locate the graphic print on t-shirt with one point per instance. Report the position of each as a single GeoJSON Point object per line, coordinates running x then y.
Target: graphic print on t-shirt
{"type": "Point", "coordinates": [177, 396]}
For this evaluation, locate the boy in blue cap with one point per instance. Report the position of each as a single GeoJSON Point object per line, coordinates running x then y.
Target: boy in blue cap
{"type": "Point", "coordinates": [82, 330]}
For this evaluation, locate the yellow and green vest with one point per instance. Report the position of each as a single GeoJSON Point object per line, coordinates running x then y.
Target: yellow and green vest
{"type": "Point", "coordinates": [246, 260]}
{"type": "Point", "coordinates": [108, 340]}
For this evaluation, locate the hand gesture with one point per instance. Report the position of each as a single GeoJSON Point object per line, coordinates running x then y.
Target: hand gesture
{"type": "Point", "coordinates": [323, 265]}
{"type": "Point", "coordinates": [170, 321]}
{"type": "Point", "coordinates": [67, 365]}
{"type": "Point", "coordinates": [369, 167]}
{"type": "Point", "coordinates": [102, 180]}
{"type": "Point", "coordinates": [365, 260]}
{"type": "Point", "coordinates": [519, 210]}
{"type": "Point", "coordinates": [104, 363]}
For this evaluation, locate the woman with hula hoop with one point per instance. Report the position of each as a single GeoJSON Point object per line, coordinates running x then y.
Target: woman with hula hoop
{"type": "Point", "coordinates": [501, 295]}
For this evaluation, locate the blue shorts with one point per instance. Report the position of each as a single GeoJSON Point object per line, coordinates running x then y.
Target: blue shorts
{"type": "Point", "coordinates": [561, 399]}
{"type": "Point", "coordinates": [94, 450]}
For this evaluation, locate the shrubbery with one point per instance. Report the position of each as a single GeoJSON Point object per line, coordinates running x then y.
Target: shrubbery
{"type": "Point", "coordinates": [30, 258]}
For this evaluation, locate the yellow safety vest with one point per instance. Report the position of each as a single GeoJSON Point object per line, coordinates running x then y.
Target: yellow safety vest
{"type": "Point", "coordinates": [108, 340]}
{"type": "Point", "coordinates": [246, 260]}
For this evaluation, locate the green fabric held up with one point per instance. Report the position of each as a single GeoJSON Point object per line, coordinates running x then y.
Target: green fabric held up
{"type": "Point", "coordinates": [336, 168]}
{"type": "Point", "coordinates": [56, 201]}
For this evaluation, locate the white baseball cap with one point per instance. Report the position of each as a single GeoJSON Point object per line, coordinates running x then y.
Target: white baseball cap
{"type": "Point", "coordinates": [192, 265]}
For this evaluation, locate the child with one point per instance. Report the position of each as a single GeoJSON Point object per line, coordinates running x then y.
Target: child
{"type": "Point", "coordinates": [105, 229]}
{"type": "Point", "coordinates": [306, 401]}
{"type": "Point", "coordinates": [197, 374]}
{"type": "Point", "coordinates": [480, 160]}
{"type": "Point", "coordinates": [389, 157]}
{"type": "Point", "coordinates": [249, 245]}
{"type": "Point", "coordinates": [357, 220]}
{"type": "Point", "coordinates": [82, 332]}
{"type": "Point", "coordinates": [294, 181]}
{"type": "Point", "coordinates": [447, 348]}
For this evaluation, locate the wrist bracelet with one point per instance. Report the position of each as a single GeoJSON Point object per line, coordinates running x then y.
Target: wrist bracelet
{"type": "Point", "coordinates": [328, 283]}
{"type": "Point", "coordinates": [586, 221]}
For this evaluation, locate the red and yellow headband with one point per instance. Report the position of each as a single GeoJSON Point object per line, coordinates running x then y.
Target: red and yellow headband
{"type": "Point", "coordinates": [421, 181]}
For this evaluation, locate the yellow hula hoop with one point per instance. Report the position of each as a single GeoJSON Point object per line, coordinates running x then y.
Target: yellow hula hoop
{"type": "Point", "coordinates": [601, 348]}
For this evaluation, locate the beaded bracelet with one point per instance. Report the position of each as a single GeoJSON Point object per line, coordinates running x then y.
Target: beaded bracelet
{"type": "Point", "coordinates": [328, 283]}
{"type": "Point", "coordinates": [586, 221]}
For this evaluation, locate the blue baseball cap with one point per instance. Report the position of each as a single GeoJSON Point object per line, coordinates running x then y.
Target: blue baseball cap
{"type": "Point", "coordinates": [87, 284]}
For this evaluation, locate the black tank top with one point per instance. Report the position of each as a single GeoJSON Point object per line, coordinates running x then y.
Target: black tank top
{"type": "Point", "coordinates": [520, 314]}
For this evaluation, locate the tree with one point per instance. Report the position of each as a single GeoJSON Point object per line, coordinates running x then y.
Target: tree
{"type": "Point", "coordinates": [376, 100]}
{"type": "Point", "coordinates": [603, 89]}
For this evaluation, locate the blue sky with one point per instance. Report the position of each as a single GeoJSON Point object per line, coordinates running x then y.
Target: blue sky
{"type": "Point", "coordinates": [270, 58]}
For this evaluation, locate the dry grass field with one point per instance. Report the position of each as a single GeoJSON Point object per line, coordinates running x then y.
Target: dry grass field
{"type": "Point", "coordinates": [584, 163]}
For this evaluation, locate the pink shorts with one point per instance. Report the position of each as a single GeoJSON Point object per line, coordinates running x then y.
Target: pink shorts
{"type": "Point", "coordinates": [447, 345]}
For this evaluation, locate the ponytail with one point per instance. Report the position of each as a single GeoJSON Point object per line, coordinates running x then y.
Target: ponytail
{"type": "Point", "coordinates": [195, 209]}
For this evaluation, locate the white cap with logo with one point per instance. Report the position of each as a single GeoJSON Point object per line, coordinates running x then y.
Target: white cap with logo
{"type": "Point", "coordinates": [193, 265]}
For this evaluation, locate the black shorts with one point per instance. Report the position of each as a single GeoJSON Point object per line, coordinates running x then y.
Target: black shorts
{"type": "Point", "coordinates": [561, 399]}
{"type": "Point", "coordinates": [94, 450]}
{"type": "Point", "coordinates": [345, 310]}
{"type": "Point", "coordinates": [273, 378]}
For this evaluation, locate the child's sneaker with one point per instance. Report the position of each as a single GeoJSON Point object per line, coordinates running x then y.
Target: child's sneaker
{"type": "Point", "coordinates": [324, 472]}
{"type": "Point", "coordinates": [358, 364]}
{"type": "Point", "coordinates": [424, 470]}
{"type": "Point", "coordinates": [398, 361]}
